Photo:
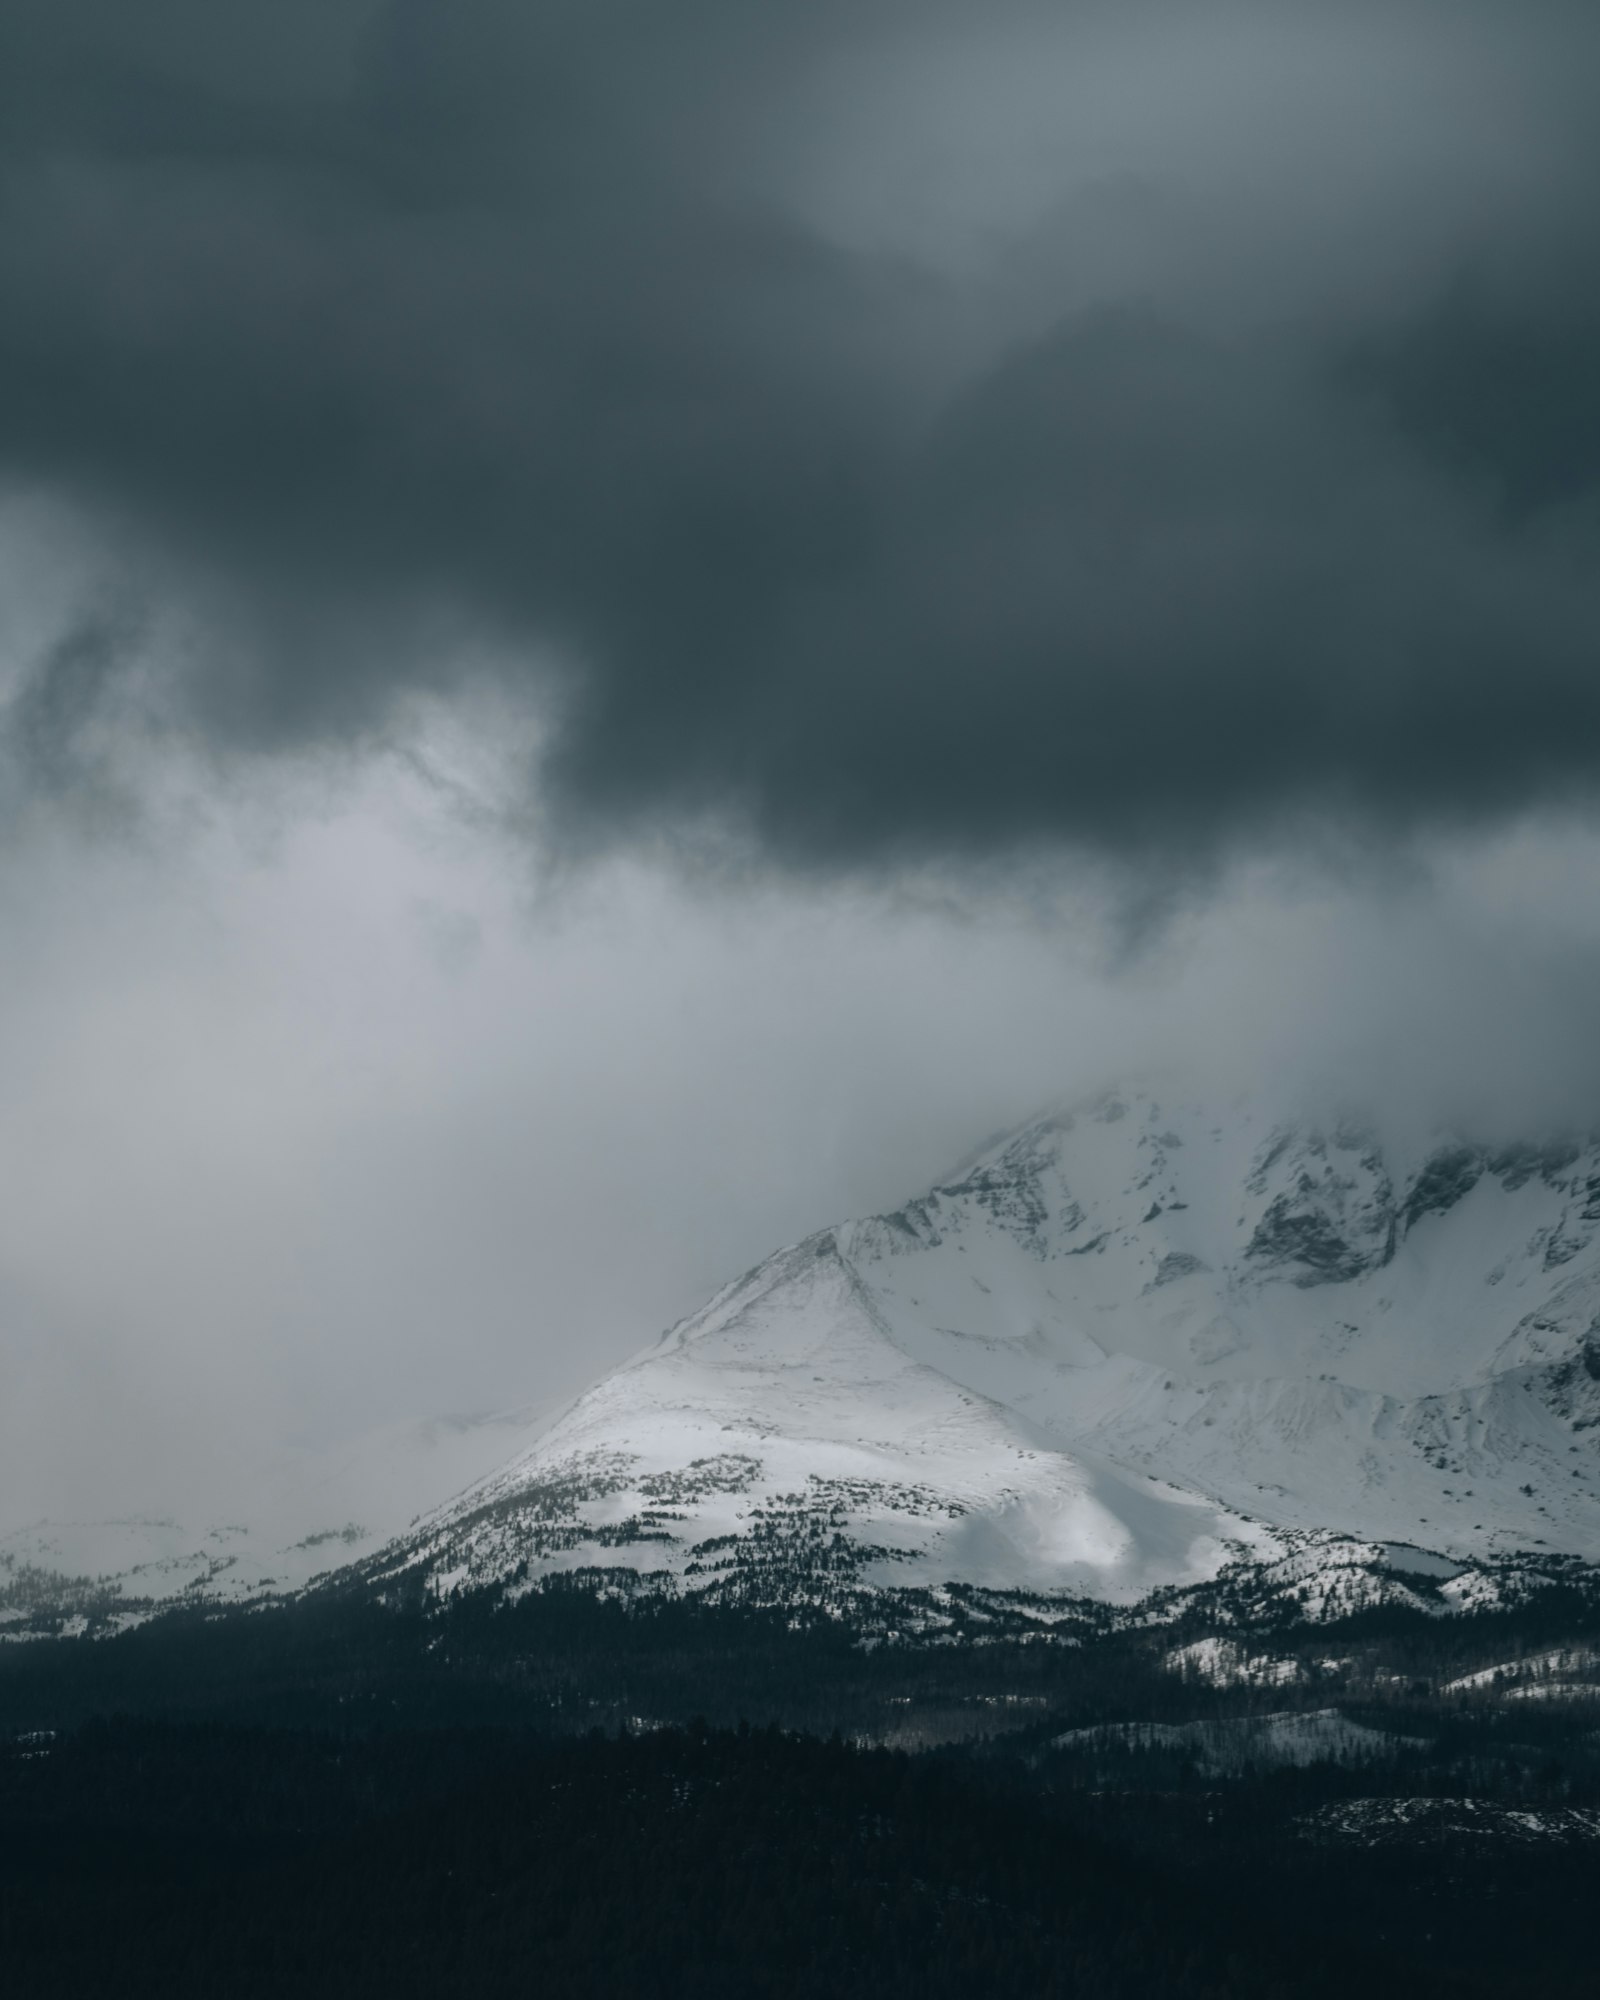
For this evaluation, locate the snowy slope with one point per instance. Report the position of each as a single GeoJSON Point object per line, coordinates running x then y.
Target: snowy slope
{"type": "Point", "coordinates": [1144, 1347]}
{"type": "Point", "coordinates": [1231, 1743]}
{"type": "Point", "coordinates": [1391, 1822]}
{"type": "Point", "coordinates": [1130, 1347]}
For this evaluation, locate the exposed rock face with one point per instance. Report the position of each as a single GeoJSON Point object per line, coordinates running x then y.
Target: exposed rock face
{"type": "Point", "coordinates": [1447, 1177]}
{"type": "Point", "coordinates": [1330, 1207]}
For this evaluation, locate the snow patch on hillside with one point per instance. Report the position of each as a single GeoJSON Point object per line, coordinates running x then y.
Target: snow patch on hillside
{"type": "Point", "coordinates": [1229, 1744]}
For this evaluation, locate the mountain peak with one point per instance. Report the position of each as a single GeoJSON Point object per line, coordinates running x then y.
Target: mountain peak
{"type": "Point", "coordinates": [1125, 1346]}
{"type": "Point", "coordinates": [1141, 1343]}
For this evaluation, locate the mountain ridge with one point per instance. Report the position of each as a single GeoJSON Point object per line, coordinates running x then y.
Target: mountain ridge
{"type": "Point", "coordinates": [1064, 1372]}
{"type": "Point", "coordinates": [1139, 1345]}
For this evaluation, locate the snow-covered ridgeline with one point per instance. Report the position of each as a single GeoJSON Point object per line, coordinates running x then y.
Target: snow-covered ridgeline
{"type": "Point", "coordinates": [1141, 1348]}
{"type": "Point", "coordinates": [1125, 1351]}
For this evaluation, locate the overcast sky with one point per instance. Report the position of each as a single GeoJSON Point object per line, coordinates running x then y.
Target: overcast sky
{"type": "Point", "coordinates": [623, 626]}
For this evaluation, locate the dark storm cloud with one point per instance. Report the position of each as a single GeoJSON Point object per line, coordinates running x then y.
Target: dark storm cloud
{"type": "Point", "coordinates": [380, 324]}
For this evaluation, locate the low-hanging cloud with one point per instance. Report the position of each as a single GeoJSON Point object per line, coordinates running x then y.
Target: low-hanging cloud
{"type": "Point", "coordinates": [1222, 453]}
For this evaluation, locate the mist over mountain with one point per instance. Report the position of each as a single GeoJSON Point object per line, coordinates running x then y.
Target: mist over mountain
{"type": "Point", "coordinates": [1125, 1346]}
{"type": "Point", "coordinates": [622, 629]}
{"type": "Point", "coordinates": [1136, 1345]}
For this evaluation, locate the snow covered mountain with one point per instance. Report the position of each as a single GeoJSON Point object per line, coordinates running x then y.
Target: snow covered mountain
{"type": "Point", "coordinates": [1143, 1348]}
{"type": "Point", "coordinates": [1130, 1349]}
